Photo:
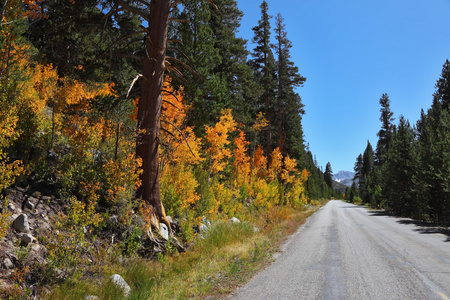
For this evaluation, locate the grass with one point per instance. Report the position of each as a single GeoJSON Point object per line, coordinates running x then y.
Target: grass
{"type": "Point", "coordinates": [214, 266]}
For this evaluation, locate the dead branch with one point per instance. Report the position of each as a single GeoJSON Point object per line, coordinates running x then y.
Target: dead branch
{"type": "Point", "coordinates": [133, 82]}
{"type": "Point", "coordinates": [182, 134]}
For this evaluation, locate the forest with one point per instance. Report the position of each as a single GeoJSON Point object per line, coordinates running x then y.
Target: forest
{"type": "Point", "coordinates": [134, 118]}
{"type": "Point", "coordinates": [408, 173]}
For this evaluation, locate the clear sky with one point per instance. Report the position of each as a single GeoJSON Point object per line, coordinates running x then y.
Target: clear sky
{"type": "Point", "coordinates": [353, 51]}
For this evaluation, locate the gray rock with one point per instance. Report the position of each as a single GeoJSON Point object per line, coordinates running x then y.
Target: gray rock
{"type": "Point", "coordinates": [113, 220]}
{"type": "Point", "coordinates": [29, 205]}
{"type": "Point", "coordinates": [203, 228]}
{"type": "Point", "coordinates": [11, 206]}
{"type": "Point", "coordinates": [20, 224]}
{"type": "Point", "coordinates": [164, 231]}
{"type": "Point", "coordinates": [91, 297]}
{"type": "Point", "coordinates": [7, 263]}
{"type": "Point", "coordinates": [169, 218]}
{"type": "Point", "coordinates": [234, 220]}
{"type": "Point", "coordinates": [121, 283]}
{"type": "Point", "coordinates": [27, 239]}
{"type": "Point", "coordinates": [206, 221]}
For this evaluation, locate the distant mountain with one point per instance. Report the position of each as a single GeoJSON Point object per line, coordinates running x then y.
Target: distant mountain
{"type": "Point", "coordinates": [344, 177]}
{"type": "Point", "coordinates": [339, 186]}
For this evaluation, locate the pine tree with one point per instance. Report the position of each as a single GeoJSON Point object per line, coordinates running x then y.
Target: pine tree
{"type": "Point", "coordinates": [434, 148]}
{"type": "Point", "coordinates": [203, 88]}
{"type": "Point", "coordinates": [399, 172]}
{"type": "Point", "coordinates": [263, 65]}
{"type": "Point", "coordinates": [358, 169]}
{"type": "Point", "coordinates": [443, 86]}
{"type": "Point", "coordinates": [328, 175]}
{"type": "Point", "coordinates": [365, 182]}
{"type": "Point", "coordinates": [385, 133]}
{"type": "Point", "coordinates": [233, 70]}
{"type": "Point", "coordinates": [287, 100]}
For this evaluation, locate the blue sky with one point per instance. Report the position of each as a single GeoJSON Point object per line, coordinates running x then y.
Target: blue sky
{"type": "Point", "coordinates": [352, 52]}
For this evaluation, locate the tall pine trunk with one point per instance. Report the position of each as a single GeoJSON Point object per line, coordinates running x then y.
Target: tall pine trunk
{"type": "Point", "coordinates": [149, 109]}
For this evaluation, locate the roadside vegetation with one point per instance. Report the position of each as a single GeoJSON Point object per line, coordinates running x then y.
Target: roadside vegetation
{"type": "Point", "coordinates": [89, 188]}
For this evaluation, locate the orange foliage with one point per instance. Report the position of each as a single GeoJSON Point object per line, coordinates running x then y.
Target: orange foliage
{"type": "Point", "coordinates": [34, 11]}
{"type": "Point", "coordinates": [260, 162]}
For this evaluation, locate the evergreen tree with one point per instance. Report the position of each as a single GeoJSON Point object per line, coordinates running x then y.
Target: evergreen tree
{"type": "Point", "coordinates": [204, 89]}
{"type": "Point", "coordinates": [263, 65]}
{"type": "Point", "coordinates": [242, 92]}
{"type": "Point", "coordinates": [385, 133]}
{"type": "Point", "coordinates": [443, 86]}
{"type": "Point", "coordinates": [288, 78]}
{"type": "Point", "coordinates": [434, 148]}
{"type": "Point", "coordinates": [357, 168]}
{"type": "Point", "coordinates": [365, 182]}
{"type": "Point", "coordinates": [328, 175]}
{"type": "Point", "coordinates": [399, 173]}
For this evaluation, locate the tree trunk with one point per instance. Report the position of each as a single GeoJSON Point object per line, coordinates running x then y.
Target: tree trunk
{"type": "Point", "coordinates": [149, 109]}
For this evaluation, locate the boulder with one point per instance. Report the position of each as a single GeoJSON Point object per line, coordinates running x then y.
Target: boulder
{"type": "Point", "coordinates": [20, 224]}
{"type": "Point", "coordinates": [7, 263]}
{"type": "Point", "coordinates": [164, 231]}
{"type": "Point", "coordinates": [121, 283]}
{"type": "Point", "coordinates": [26, 239]}
{"type": "Point", "coordinates": [29, 204]}
{"type": "Point", "coordinates": [206, 221]}
{"type": "Point", "coordinates": [203, 228]}
{"type": "Point", "coordinates": [234, 220]}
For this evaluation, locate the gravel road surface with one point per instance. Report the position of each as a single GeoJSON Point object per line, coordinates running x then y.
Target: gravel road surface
{"type": "Point", "coordinates": [348, 252]}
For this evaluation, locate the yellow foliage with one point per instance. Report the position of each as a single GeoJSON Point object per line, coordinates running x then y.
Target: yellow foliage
{"type": "Point", "coordinates": [276, 164]}
{"type": "Point", "coordinates": [8, 170]}
{"type": "Point", "coordinates": [241, 159]}
{"type": "Point", "coordinates": [260, 123]}
{"type": "Point", "coordinates": [217, 138]}
{"type": "Point", "coordinates": [288, 173]}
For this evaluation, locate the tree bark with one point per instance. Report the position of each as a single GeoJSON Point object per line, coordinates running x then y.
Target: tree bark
{"type": "Point", "coordinates": [149, 108]}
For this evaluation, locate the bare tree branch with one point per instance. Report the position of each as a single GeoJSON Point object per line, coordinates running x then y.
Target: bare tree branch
{"type": "Point", "coordinates": [134, 10]}
{"type": "Point", "coordinates": [182, 134]}
{"type": "Point", "coordinates": [132, 83]}
{"type": "Point", "coordinates": [185, 66]}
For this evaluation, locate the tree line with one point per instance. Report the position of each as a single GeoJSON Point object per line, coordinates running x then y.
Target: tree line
{"type": "Point", "coordinates": [409, 170]}
{"type": "Point", "coordinates": [77, 122]}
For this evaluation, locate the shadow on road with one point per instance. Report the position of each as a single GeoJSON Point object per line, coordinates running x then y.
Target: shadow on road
{"type": "Point", "coordinates": [427, 228]}
{"type": "Point", "coordinates": [423, 227]}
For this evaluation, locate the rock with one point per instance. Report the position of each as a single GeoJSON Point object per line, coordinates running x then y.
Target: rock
{"type": "Point", "coordinates": [169, 218]}
{"type": "Point", "coordinates": [255, 229]}
{"type": "Point", "coordinates": [234, 220]}
{"type": "Point", "coordinates": [203, 228]}
{"type": "Point", "coordinates": [113, 220]}
{"type": "Point", "coordinates": [11, 206]}
{"type": "Point", "coordinates": [20, 224]}
{"type": "Point", "coordinates": [91, 297]}
{"type": "Point", "coordinates": [121, 283]}
{"type": "Point", "coordinates": [29, 205]}
{"type": "Point", "coordinates": [7, 263]}
{"type": "Point", "coordinates": [27, 239]}
{"type": "Point", "coordinates": [164, 231]}
{"type": "Point", "coordinates": [206, 221]}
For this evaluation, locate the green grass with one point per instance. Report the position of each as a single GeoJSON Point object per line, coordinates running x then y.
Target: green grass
{"type": "Point", "coordinates": [214, 266]}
